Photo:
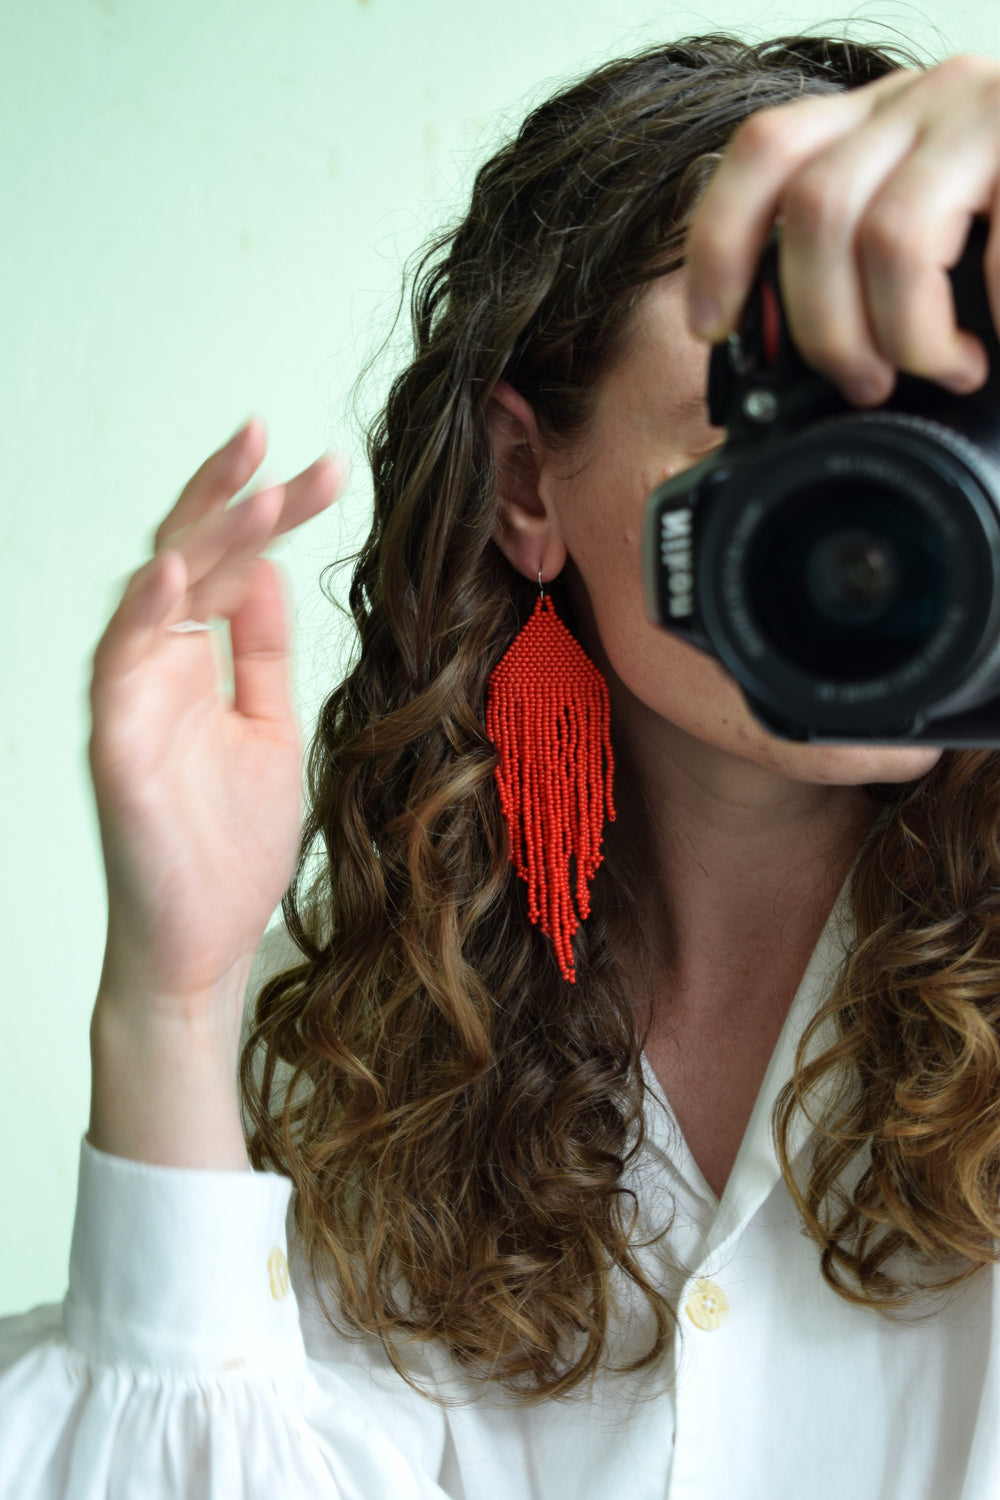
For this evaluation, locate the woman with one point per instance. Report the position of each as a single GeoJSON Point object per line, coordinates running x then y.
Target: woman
{"type": "Point", "coordinates": [518, 1272]}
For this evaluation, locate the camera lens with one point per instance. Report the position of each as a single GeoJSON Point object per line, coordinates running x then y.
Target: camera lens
{"type": "Point", "coordinates": [846, 585]}
{"type": "Point", "coordinates": [853, 576]}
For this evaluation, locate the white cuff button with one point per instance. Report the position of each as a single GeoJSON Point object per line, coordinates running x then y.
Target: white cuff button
{"type": "Point", "coordinates": [277, 1271]}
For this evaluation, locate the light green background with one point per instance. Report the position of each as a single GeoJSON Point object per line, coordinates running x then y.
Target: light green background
{"type": "Point", "coordinates": [205, 210]}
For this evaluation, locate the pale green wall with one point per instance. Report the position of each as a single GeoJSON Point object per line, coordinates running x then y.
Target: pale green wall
{"type": "Point", "coordinates": [205, 207]}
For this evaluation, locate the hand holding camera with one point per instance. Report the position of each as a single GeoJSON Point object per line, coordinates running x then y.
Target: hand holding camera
{"type": "Point", "coordinates": [845, 566]}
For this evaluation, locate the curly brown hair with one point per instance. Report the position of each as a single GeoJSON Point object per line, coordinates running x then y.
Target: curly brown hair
{"type": "Point", "coordinates": [459, 1122]}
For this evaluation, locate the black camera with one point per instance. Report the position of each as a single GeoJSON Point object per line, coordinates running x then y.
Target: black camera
{"type": "Point", "coordinates": [843, 565]}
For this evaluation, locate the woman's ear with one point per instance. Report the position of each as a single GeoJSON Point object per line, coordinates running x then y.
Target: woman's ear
{"type": "Point", "coordinates": [527, 532]}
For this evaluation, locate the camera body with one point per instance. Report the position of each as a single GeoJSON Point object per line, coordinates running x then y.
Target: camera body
{"type": "Point", "coordinates": [843, 565]}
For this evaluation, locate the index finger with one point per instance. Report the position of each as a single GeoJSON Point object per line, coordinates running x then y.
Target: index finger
{"type": "Point", "coordinates": [220, 477]}
{"type": "Point", "coordinates": [732, 223]}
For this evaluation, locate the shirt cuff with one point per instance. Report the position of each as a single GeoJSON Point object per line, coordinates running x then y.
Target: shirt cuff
{"type": "Point", "coordinates": [181, 1269]}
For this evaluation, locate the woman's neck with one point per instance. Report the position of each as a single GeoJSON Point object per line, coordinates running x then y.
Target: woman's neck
{"type": "Point", "coordinates": [742, 866]}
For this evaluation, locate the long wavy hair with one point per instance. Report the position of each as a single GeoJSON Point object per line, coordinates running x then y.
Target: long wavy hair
{"type": "Point", "coordinates": [459, 1122]}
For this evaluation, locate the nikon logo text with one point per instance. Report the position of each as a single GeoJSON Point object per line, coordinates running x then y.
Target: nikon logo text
{"type": "Point", "coordinates": [675, 555]}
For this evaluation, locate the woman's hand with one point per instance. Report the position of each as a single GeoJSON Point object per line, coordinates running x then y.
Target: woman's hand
{"type": "Point", "coordinates": [876, 189]}
{"type": "Point", "coordinates": [199, 798]}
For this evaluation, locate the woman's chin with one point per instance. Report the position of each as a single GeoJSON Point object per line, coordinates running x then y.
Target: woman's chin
{"type": "Point", "coordinates": [856, 765]}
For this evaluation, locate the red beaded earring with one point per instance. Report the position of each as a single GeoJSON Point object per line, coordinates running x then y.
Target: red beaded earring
{"type": "Point", "coordinates": [547, 713]}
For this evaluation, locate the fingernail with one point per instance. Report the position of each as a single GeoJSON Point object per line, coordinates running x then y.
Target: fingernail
{"type": "Point", "coordinates": [704, 316]}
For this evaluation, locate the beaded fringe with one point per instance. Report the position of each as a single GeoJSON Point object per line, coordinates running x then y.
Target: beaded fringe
{"type": "Point", "coordinates": [547, 713]}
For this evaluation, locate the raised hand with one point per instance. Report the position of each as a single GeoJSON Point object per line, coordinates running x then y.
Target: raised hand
{"type": "Point", "coordinates": [199, 798]}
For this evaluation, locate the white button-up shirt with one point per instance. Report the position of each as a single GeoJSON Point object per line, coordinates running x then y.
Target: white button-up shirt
{"type": "Point", "coordinates": [188, 1359]}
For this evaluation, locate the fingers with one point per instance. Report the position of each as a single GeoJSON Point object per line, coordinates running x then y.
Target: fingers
{"type": "Point", "coordinates": [868, 234]}
{"type": "Point", "coordinates": [912, 234]}
{"type": "Point", "coordinates": [221, 476]}
{"type": "Point", "coordinates": [204, 573]}
{"type": "Point", "coordinates": [206, 553]}
{"type": "Point", "coordinates": [218, 550]}
{"type": "Point", "coordinates": [218, 542]}
{"type": "Point", "coordinates": [261, 646]}
{"type": "Point", "coordinates": [876, 190]}
{"type": "Point", "coordinates": [733, 221]}
{"type": "Point", "coordinates": [311, 491]}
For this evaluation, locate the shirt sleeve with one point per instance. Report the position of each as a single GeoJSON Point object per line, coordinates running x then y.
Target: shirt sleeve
{"type": "Point", "coordinates": [176, 1366]}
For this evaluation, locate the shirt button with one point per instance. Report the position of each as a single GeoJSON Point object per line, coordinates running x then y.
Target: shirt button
{"type": "Point", "coordinates": [277, 1271]}
{"type": "Point", "coordinates": [707, 1306]}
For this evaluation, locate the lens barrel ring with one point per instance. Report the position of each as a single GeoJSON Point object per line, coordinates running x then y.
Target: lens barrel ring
{"type": "Point", "coordinates": [952, 488]}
